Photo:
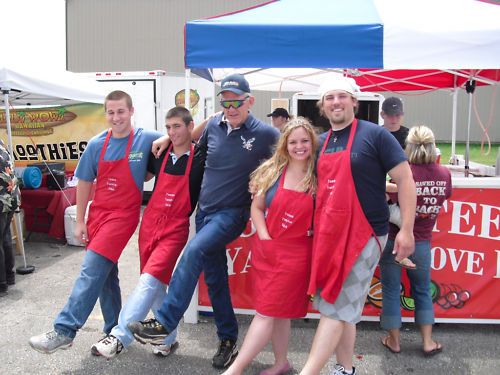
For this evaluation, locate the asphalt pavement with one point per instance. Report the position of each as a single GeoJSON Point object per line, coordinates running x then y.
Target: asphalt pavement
{"type": "Point", "coordinates": [35, 299]}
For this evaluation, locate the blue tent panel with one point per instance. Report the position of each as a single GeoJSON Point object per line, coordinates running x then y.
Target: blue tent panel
{"type": "Point", "coordinates": [324, 34]}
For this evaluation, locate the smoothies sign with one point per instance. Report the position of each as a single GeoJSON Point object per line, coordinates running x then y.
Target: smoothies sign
{"type": "Point", "coordinates": [55, 134]}
{"type": "Point", "coordinates": [465, 262]}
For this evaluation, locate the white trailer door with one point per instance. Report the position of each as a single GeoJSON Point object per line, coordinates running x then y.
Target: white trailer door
{"type": "Point", "coordinates": [143, 93]}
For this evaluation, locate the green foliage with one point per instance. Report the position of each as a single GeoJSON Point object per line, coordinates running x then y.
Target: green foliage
{"type": "Point", "coordinates": [476, 154]}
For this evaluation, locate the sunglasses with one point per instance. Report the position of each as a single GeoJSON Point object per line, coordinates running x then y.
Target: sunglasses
{"type": "Point", "coordinates": [233, 103]}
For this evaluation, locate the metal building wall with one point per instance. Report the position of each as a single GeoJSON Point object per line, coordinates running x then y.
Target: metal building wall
{"type": "Point", "coordinates": [133, 35]}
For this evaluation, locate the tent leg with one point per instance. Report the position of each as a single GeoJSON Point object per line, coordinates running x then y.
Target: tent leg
{"type": "Point", "coordinates": [187, 93]}
{"type": "Point", "coordinates": [25, 269]}
{"type": "Point", "coordinates": [469, 87]}
{"type": "Point", "coordinates": [454, 126]}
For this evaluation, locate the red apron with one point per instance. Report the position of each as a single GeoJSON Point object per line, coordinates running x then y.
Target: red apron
{"type": "Point", "coordinates": [341, 229]}
{"type": "Point", "coordinates": [282, 265]}
{"type": "Point", "coordinates": [116, 207]}
{"type": "Point", "coordinates": [165, 223]}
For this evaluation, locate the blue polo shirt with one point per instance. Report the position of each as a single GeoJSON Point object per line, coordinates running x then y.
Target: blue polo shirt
{"type": "Point", "coordinates": [230, 160]}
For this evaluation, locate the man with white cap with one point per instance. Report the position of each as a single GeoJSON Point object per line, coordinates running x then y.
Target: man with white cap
{"type": "Point", "coordinates": [236, 142]}
{"type": "Point", "coordinates": [351, 220]}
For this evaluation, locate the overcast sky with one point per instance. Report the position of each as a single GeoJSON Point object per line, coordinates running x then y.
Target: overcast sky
{"type": "Point", "coordinates": [33, 35]}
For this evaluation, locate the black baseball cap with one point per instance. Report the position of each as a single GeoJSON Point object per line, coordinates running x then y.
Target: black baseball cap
{"type": "Point", "coordinates": [393, 106]}
{"type": "Point", "coordinates": [236, 83]}
{"type": "Point", "coordinates": [279, 112]}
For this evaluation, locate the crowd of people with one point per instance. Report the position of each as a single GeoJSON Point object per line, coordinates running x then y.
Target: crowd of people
{"type": "Point", "coordinates": [318, 203]}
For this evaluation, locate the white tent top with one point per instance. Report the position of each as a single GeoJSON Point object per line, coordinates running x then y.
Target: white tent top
{"type": "Point", "coordinates": [48, 88]}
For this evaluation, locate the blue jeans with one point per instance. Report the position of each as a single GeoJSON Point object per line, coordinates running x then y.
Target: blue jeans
{"type": "Point", "coordinates": [420, 280]}
{"type": "Point", "coordinates": [98, 279]}
{"type": "Point", "coordinates": [148, 294]}
{"type": "Point", "coordinates": [206, 252]}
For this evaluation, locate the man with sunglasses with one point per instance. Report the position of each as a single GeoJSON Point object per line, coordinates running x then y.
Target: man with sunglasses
{"type": "Point", "coordinates": [236, 143]}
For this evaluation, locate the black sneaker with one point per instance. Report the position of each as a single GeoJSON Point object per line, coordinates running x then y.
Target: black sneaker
{"type": "Point", "coordinates": [226, 354]}
{"type": "Point", "coordinates": [148, 332]}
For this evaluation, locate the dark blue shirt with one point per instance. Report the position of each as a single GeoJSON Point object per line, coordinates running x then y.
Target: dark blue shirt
{"type": "Point", "coordinates": [374, 152]}
{"type": "Point", "coordinates": [230, 160]}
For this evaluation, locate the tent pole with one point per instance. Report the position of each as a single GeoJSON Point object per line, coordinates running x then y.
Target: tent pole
{"type": "Point", "coordinates": [26, 269]}
{"type": "Point", "coordinates": [454, 125]}
{"type": "Point", "coordinates": [7, 120]}
{"type": "Point", "coordinates": [469, 87]}
{"type": "Point", "coordinates": [187, 93]}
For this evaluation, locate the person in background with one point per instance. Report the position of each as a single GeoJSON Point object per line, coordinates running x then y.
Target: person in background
{"type": "Point", "coordinates": [163, 232]}
{"type": "Point", "coordinates": [236, 143]}
{"type": "Point", "coordinates": [351, 220]}
{"type": "Point", "coordinates": [117, 159]}
{"type": "Point", "coordinates": [421, 151]}
{"type": "Point", "coordinates": [393, 115]}
{"type": "Point", "coordinates": [9, 202]}
{"type": "Point", "coordinates": [282, 212]}
{"type": "Point", "coordinates": [279, 118]}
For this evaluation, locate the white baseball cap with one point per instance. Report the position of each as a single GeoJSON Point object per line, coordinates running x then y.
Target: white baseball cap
{"type": "Point", "coordinates": [346, 84]}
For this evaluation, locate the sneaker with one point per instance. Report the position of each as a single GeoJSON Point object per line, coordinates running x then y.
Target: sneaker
{"type": "Point", "coordinates": [148, 332]}
{"type": "Point", "coordinates": [225, 355]}
{"type": "Point", "coordinates": [50, 342]}
{"type": "Point", "coordinates": [340, 370]}
{"type": "Point", "coordinates": [109, 346]}
{"type": "Point", "coordinates": [165, 350]}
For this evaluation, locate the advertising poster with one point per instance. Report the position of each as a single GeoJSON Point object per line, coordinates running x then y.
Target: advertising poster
{"type": "Point", "coordinates": [465, 253]}
{"type": "Point", "coordinates": [52, 134]}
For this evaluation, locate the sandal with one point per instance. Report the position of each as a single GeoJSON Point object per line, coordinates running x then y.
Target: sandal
{"type": "Point", "coordinates": [386, 344]}
{"type": "Point", "coordinates": [438, 348]}
{"type": "Point", "coordinates": [406, 263]}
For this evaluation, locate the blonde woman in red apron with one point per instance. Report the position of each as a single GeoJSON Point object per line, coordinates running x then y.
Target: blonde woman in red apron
{"type": "Point", "coordinates": [163, 233]}
{"type": "Point", "coordinates": [282, 211]}
{"type": "Point", "coordinates": [351, 221]}
{"type": "Point", "coordinates": [113, 218]}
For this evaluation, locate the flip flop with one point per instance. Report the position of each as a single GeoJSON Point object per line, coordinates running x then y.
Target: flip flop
{"type": "Point", "coordinates": [406, 263]}
{"type": "Point", "coordinates": [438, 348]}
{"type": "Point", "coordinates": [384, 342]}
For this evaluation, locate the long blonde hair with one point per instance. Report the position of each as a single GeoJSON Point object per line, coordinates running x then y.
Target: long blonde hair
{"type": "Point", "coordinates": [269, 171]}
{"type": "Point", "coordinates": [420, 145]}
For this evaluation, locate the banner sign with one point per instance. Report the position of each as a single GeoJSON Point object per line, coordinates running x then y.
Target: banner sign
{"type": "Point", "coordinates": [465, 253]}
{"type": "Point", "coordinates": [53, 134]}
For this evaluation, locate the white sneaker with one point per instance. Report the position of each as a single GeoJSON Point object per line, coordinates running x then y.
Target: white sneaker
{"type": "Point", "coordinates": [340, 370]}
{"type": "Point", "coordinates": [109, 346]}
{"type": "Point", "coordinates": [50, 342]}
{"type": "Point", "coordinates": [165, 350]}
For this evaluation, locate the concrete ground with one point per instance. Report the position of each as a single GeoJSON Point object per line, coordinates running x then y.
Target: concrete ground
{"type": "Point", "coordinates": [34, 301]}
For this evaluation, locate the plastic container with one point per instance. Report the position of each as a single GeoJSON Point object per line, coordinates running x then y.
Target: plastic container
{"type": "Point", "coordinates": [70, 223]}
{"type": "Point", "coordinates": [32, 178]}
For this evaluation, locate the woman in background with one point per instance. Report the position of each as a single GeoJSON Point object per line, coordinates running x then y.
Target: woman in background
{"type": "Point", "coordinates": [421, 151]}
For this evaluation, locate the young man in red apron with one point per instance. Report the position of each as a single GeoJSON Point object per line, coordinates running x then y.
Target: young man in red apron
{"type": "Point", "coordinates": [351, 221]}
{"type": "Point", "coordinates": [117, 160]}
{"type": "Point", "coordinates": [236, 143]}
{"type": "Point", "coordinates": [164, 231]}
